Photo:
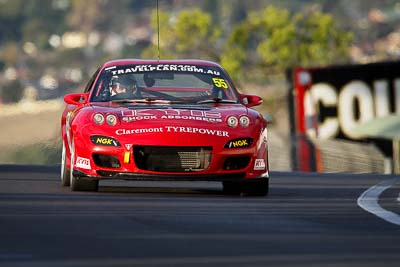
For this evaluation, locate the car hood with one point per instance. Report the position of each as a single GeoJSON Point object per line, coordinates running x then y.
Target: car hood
{"type": "Point", "coordinates": [205, 114]}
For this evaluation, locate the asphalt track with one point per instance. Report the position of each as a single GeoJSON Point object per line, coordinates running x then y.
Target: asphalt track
{"type": "Point", "coordinates": [307, 220]}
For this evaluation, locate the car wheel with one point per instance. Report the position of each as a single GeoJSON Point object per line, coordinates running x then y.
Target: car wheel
{"type": "Point", "coordinates": [65, 176]}
{"type": "Point", "coordinates": [84, 184]}
{"type": "Point", "coordinates": [258, 187]}
{"type": "Point", "coordinates": [79, 183]}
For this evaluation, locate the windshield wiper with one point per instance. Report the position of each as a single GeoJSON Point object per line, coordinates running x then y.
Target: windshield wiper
{"type": "Point", "coordinates": [146, 101]}
{"type": "Point", "coordinates": [150, 100]}
{"type": "Point", "coordinates": [165, 101]}
{"type": "Point", "coordinates": [123, 101]}
{"type": "Point", "coordinates": [216, 100]}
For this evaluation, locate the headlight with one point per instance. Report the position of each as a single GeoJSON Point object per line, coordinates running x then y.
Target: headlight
{"type": "Point", "coordinates": [98, 118]}
{"type": "Point", "coordinates": [244, 121]}
{"type": "Point", "coordinates": [232, 121]}
{"type": "Point", "coordinates": [111, 119]}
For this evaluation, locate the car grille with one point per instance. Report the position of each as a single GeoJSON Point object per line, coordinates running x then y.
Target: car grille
{"type": "Point", "coordinates": [172, 159]}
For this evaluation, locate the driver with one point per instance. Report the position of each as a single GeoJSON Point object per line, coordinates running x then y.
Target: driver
{"type": "Point", "coordinates": [121, 85]}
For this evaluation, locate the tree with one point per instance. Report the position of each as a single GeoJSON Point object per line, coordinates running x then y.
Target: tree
{"type": "Point", "coordinates": [11, 92]}
{"type": "Point", "coordinates": [274, 39]}
{"type": "Point", "coordinates": [191, 33]}
{"type": "Point", "coordinates": [11, 20]}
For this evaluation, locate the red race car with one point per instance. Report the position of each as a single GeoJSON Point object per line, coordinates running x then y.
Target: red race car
{"type": "Point", "coordinates": [164, 120]}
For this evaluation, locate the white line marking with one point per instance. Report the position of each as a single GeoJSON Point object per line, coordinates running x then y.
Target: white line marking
{"type": "Point", "coordinates": [369, 201]}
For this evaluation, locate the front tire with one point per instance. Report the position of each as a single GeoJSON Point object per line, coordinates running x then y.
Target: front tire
{"type": "Point", "coordinates": [79, 183]}
{"type": "Point", "coordinates": [84, 184]}
{"type": "Point", "coordinates": [65, 176]}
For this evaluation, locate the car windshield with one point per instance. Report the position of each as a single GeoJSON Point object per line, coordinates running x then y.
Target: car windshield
{"type": "Point", "coordinates": [164, 83]}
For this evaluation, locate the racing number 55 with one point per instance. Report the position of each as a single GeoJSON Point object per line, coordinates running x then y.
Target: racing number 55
{"type": "Point", "coordinates": [218, 82]}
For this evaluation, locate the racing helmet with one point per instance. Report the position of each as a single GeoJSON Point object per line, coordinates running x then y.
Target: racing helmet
{"type": "Point", "coordinates": [123, 81]}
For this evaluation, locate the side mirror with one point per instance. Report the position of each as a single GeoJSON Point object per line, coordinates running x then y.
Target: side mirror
{"type": "Point", "coordinates": [76, 99]}
{"type": "Point", "coordinates": [251, 100]}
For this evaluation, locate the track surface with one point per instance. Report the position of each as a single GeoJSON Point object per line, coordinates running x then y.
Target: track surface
{"type": "Point", "coordinates": [307, 220]}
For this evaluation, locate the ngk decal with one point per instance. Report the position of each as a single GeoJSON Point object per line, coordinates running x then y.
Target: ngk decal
{"type": "Point", "coordinates": [175, 114]}
{"type": "Point", "coordinates": [355, 103]}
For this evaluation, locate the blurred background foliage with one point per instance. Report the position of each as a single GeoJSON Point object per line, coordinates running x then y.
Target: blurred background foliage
{"type": "Point", "coordinates": [254, 39]}
{"type": "Point", "coordinates": [50, 47]}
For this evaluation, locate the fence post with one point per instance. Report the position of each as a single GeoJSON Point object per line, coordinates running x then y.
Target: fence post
{"type": "Point", "coordinates": [396, 156]}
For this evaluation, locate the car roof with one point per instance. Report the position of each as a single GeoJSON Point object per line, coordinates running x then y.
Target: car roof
{"type": "Point", "coordinates": [121, 62]}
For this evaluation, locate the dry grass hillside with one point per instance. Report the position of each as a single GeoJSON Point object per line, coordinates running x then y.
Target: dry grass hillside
{"type": "Point", "coordinates": [27, 125]}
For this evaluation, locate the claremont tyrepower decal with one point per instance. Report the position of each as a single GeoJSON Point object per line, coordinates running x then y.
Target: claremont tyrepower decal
{"type": "Point", "coordinates": [173, 129]}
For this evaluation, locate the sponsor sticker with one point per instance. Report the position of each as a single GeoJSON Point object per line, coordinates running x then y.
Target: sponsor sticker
{"type": "Point", "coordinates": [138, 131]}
{"type": "Point", "coordinates": [239, 143]}
{"type": "Point", "coordinates": [171, 114]}
{"type": "Point", "coordinates": [83, 163]}
{"type": "Point", "coordinates": [128, 146]}
{"type": "Point", "coordinates": [259, 164]}
{"type": "Point", "coordinates": [173, 129]}
{"type": "Point", "coordinates": [220, 83]}
{"type": "Point", "coordinates": [195, 130]}
{"type": "Point", "coordinates": [164, 67]}
{"type": "Point", "coordinates": [104, 140]}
